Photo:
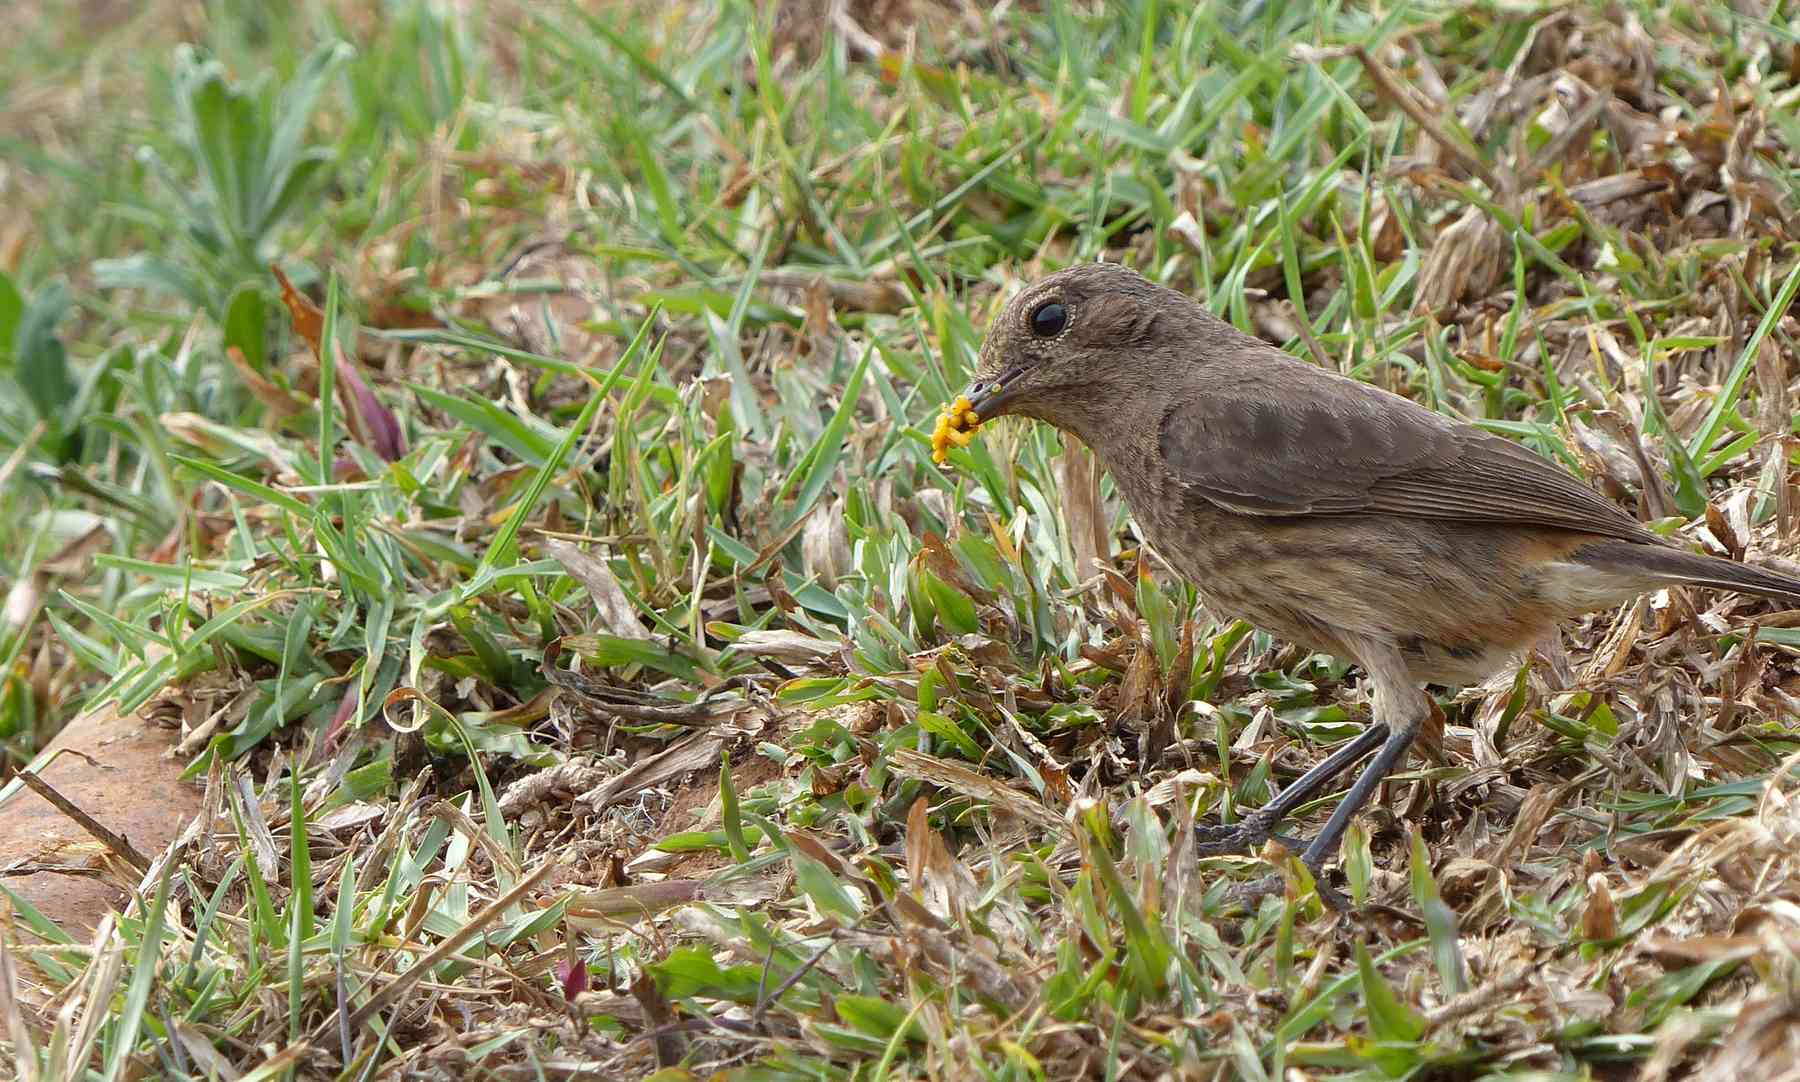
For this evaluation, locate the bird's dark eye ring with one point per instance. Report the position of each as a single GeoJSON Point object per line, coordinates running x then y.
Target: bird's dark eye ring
{"type": "Point", "coordinates": [1048, 319]}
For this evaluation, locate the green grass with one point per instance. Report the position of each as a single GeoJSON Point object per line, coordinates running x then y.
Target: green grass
{"type": "Point", "coordinates": [847, 767]}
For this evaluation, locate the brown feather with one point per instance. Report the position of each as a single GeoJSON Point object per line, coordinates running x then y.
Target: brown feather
{"type": "Point", "coordinates": [1259, 432]}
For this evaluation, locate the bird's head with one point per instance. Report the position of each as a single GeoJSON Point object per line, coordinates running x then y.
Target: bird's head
{"type": "Point", "coordinates": [1060, 346]}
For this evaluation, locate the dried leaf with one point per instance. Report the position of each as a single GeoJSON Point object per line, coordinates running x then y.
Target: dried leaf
{"type": "Point", "coordinates": [908, 763]}
{"type": "Point", "coordinates": [700, 751]}
{"type": "Point", "coordinates": [1600, 916]}
{"type": "Point", "coordinates": [1464, 261]}
{"type": "Point", "coordinates": [617, 614]}
{"type": "Point", "coordinates": [788, 647]}
{"type": "Point", "coordinates": [309, 319]}
{"type": "Point", "coordinates": [1083, 512]}
{"type": "Point", "coordinates": [611, 905]}
{"type": "Point", "coordinates": [370, 422]}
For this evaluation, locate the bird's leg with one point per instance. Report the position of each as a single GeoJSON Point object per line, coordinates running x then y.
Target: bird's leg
{"type": "Point", "coordinates": [1259, 825]}
{"type": "Point", "coordinates": [1402, 708]}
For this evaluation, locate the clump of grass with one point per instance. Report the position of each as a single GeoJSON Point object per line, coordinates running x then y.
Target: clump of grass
{"type": "Point", "coordinates": [597, 675]}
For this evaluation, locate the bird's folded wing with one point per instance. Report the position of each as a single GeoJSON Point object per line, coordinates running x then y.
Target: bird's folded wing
{"type": "Point", "coordinates": [1298, 446]}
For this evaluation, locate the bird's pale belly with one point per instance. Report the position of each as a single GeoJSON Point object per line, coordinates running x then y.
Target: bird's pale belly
{"type": "Point", "coordinates": [1460, 601]}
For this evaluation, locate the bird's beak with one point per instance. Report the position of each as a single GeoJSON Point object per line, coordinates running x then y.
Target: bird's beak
{"type": "Point", "coordinates": [984, 400]}
{"type": "Point", "coordinates": [989, 397]}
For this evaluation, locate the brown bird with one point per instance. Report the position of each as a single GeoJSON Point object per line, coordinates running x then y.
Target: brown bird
{"type": "Point", "coordinates": [1325, 511]}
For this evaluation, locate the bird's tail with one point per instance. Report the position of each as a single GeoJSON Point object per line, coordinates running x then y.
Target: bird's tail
{"type": "Point", "coordinates": [1654, 566]}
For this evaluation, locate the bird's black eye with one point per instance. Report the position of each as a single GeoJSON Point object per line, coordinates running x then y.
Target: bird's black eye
{"type": "Point", "coordinates": [1049, 319]}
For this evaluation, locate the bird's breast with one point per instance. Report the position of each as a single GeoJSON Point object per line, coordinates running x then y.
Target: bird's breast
{"type": "Point", "coordinates": [1458, 602]}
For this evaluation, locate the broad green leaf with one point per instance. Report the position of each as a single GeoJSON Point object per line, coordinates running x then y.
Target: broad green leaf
{"type": "Point", "coordinates": [493, 421]}
{"type": "Point", "coordinates": [692, 971]}
{"type": "Point", "coordinates": [1440, 921]}
{"type": "Point", "coordinates": [816, 882]}
{"type": "Point", "coordinates": [150, 272]}
{"type": "Point", "coordinates": [39, 359]}
{"type": "Point", "coordinates": [246, 325]}
{"type": "Point", "coordinates": [1389, 1019]}
{"type": "Point", "coordinates": [12, 309]}
{"type": "Point", "coordinates": [878, 1017]}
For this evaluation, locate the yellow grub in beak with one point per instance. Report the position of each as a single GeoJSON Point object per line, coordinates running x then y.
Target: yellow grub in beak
{"type": "Point", "coordinates": [955, 425]}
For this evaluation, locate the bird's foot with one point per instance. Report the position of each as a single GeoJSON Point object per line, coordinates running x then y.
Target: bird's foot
{"type": "Point", "coordinates": [1246, 836]}
{"type": "Point", "coordinates": [1248, 894]}
{"type": "Point", "coordinates": [1250, 835]}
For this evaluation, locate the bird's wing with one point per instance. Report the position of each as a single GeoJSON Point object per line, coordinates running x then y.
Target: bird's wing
{"type": "Point", "coordinates": [1291, 439]}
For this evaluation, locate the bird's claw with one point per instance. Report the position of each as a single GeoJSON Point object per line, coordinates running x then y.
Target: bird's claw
{"type": "Point", "coordinates": [1248, 894]}
{"type": "Point", "coordinates": [1249, 835]}
{"type": "Point", "coordinates": [1235, 838]}
{"type": "Point", "coordinates": [1332, 898]}
{"type": "Point", "coordinates": [1245, 836]}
